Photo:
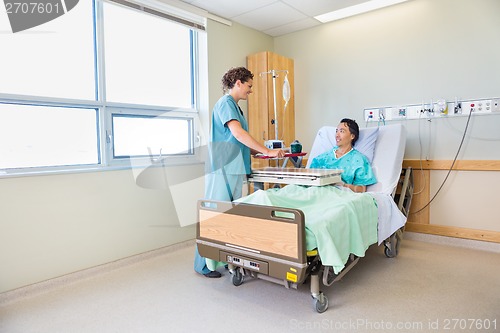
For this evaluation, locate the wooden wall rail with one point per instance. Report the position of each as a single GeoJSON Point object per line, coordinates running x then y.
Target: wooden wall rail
{"type": "Point", "coordinates": [462, 165]}
{"type": "Point", "coordinates": [442, 230]}
{"type": "Point", "coordinates": [420, 222]}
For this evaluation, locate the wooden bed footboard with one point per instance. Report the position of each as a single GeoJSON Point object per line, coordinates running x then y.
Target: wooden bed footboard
{"type": "Point", "coordinates": [265, 239]}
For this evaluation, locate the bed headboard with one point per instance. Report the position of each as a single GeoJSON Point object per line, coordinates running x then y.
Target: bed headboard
{"type": "Point", "coordinates": [389, 145]}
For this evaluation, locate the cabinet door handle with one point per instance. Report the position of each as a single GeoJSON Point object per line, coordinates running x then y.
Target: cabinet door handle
{"type": "Point", "coordinates": [263, 135]}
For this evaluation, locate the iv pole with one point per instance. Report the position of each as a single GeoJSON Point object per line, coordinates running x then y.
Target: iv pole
{"type": "Point", "coordinates": [274, 74]}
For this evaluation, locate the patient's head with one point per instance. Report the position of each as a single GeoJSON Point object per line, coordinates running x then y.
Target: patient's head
{"type": "Point", "coordinates": [353, 128]}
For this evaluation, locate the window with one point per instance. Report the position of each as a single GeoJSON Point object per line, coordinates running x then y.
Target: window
{"type": "Point", "coordinates": [149, 135]}
{"type": "Point", "coordinates": [146, 68]}
{"type": "Point", "coordinates": [107, 82]}
{"type": "Point", "coordinates": [42, 141]}
{"type": "Point", "coordinates": [53, 60]}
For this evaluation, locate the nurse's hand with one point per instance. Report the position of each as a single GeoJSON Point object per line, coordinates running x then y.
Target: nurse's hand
{"type": "Point", "coordinates": [280, 153]}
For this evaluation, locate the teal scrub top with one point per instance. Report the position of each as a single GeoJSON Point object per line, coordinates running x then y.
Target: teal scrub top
{"type": "Point", "coordinates": [227, 151]}
{"type": "Point", "coordinates": [356, 167]}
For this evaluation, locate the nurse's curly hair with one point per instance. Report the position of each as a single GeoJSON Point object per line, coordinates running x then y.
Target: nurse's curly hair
{"type": "Point", "coordinates": [234, 74]}
{"type": "Point", "coordinates": [353, 128]}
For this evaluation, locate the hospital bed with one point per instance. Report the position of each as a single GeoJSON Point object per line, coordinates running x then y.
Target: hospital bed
{"type": "Point", "coordinates": [271, 242]}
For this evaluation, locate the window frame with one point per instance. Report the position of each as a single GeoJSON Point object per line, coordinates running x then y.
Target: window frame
{"type": "Point", "coordinates": [177, 159]}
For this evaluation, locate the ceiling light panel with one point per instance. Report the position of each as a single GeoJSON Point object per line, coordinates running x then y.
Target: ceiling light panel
{"type": "Point", "coordinates": [356, 9]}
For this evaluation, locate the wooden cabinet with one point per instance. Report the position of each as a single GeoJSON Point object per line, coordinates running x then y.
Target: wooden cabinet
{"type": "Point", "coordinates": [261, 114]}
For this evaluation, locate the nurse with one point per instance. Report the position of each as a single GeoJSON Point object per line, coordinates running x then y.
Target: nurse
{"type": "Point", "coordinates": [357, 172]}
{"type": "Point", "coordinates": [230, 149]}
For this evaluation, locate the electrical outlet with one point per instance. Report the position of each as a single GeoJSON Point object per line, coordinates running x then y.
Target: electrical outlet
{"type": "Point", "coordinates": [484, 105]}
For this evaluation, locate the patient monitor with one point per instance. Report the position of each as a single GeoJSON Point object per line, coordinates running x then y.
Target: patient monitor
{"type": "Point", "coordinates": [274, 144]}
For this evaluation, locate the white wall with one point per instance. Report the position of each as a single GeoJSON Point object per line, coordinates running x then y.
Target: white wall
{"type": "Point", "coordinates": [54, 225]}
{"type": "Point", "coordinates": [58, 224]}
{"type": "Point", "coordinates": [421, 50]}
{"type": "Point", "coordinates": [229, 47]}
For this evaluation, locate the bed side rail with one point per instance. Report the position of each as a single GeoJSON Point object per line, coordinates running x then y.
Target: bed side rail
{"type": "Point", "coordinates": [405, 191]}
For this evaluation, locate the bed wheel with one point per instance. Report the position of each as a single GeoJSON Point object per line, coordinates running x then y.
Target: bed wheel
{"type": "Point", "coordinates": [320, 303]}
{"type": "Point", "coordinates": [392, 245]}
{"type": "Point", "coordinates": [389, 253]}
{"type": "Point", "coordinates": [237, 277]}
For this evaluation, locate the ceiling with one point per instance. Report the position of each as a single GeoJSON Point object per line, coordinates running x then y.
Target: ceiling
{"type": "Point", "coordinates": [272, 17]}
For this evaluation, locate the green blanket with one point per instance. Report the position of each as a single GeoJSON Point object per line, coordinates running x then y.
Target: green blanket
{"type": "Point", "coordinates": [338, 222]}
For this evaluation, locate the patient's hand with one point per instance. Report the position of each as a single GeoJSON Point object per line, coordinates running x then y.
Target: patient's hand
{"type": "Point", "coordinates": [351, 187]}
{"type": "Point", "coordinates": [342, 187]}
{"type": "Point", "coordinates": [356, 188]}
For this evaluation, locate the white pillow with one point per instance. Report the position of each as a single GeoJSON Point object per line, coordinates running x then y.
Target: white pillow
{"type": "Point", "coordinates": [366, 141]}
{"type": "Point", "coordinates": [325, 140]}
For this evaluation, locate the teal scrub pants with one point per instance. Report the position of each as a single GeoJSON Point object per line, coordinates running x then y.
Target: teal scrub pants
{"type": "Point", "coordinates": [217, 188]}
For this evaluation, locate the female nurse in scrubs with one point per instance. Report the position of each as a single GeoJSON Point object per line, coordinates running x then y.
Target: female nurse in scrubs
{"type": "Point", "coordinates": [230, 148]}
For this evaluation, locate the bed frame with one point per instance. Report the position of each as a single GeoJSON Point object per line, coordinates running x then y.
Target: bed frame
{"type": "Point", "coordinates": [268, 242]}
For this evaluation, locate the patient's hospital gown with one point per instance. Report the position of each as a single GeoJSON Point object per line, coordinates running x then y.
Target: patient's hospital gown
{"type": "Point", "coordinates": [356, 167]}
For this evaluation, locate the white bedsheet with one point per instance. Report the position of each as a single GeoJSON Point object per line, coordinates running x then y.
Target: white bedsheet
{"type": "Point", "coordinates": [390, 218]}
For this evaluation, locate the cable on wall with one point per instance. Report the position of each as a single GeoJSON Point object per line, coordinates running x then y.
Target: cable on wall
{"type": "Point", "coordinates": [451, 167]}
{"type": "Point", "coordinates": [420, 159]}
